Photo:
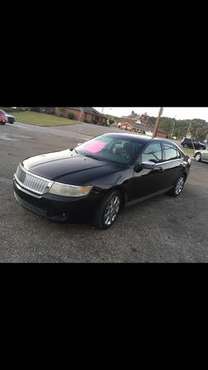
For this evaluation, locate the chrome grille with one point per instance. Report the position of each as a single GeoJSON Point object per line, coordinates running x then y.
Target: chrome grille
{"type": "Point", "coordinates": [32, 182]}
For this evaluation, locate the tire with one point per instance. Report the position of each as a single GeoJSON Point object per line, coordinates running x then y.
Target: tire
{"type": "Point", "coordinates": [108, 210]}
{"type": "Point", "coordinates": [198, 157]}
{"type": "Point", "coordinates": [178, 188]}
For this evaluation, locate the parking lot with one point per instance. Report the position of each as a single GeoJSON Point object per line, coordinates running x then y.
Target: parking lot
{"type": "Point", "coordinates": [162, 229]}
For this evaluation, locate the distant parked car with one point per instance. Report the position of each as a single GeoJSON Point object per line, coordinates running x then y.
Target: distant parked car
{"type": "Point", "coordinates": [10, 118]}
{"type": "Point", "coordinates": [201, 155]}
{"type": "Point", "coordinates": [3, 117]}
{"type": "Point", "coordinates": [190, 143]}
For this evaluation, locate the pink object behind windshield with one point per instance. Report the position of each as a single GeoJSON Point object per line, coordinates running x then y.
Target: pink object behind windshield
{"type": "Point", "coordinates": [95, 147]}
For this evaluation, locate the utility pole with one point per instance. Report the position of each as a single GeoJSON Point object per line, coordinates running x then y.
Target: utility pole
{"type": "Point", "coordinates": [189, 130]}
{"type": "Point", "coordinates": [173, 128]}
{"type": "Point", "coordinates": [81, 116]}
{"type": "Point", "coordinates": [189, 134]}
{"type": "Point", "coordinates": [157, 123]}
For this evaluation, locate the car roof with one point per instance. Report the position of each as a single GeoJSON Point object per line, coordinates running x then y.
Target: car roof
{"type": "Point", "coordinates": [140, 138]}
{"type": "Point", "coordinates": [164, 140]}
{"type": "Point", "coordinates": [129, 136]}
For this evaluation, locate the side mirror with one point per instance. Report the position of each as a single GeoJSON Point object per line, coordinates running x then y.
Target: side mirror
{"type": "Point", "coordinates": [149, 165]}
{"type": "Point", "coordinates": [144, 165]}
{"type": "Point", "coordinates": [138, 167]}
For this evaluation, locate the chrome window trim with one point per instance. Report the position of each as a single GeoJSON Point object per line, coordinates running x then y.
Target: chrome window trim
{"type": "Point", "coordinates": [171, 160]}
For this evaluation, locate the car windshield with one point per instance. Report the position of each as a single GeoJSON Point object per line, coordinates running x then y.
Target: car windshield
{"type": "Point", "coordinates": [112, 148]}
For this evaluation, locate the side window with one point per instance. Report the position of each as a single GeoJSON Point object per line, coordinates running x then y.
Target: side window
{"type": "Point", "coordinates": [152, 153]}
{"type": "Point", "coordinates": [170, 152]}
{"type": "Point", "coordinates": [179, 154]}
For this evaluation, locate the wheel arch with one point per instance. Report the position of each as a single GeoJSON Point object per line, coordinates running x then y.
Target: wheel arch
{"type": "Point", "coordinates": [198, 152]}
{"type": "Point", "coordinates": [123, 193]}
{"type": "Point", "coordinates": [185, 175]}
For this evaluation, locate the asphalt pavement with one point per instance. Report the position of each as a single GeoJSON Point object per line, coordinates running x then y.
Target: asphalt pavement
{"type": "Point", "coordinates": [162, 229]}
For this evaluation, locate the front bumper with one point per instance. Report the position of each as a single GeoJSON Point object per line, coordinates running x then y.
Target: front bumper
{"type": "Point", "coordinates": [55, 207]}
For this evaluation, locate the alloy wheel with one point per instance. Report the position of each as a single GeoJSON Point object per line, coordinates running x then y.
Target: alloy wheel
{"type": "Point", "coordinates": [198, 157]}
{"type": "Point", "coordinates": [111, 210]}
{"type": "Point", "coordinates": [180, 185]}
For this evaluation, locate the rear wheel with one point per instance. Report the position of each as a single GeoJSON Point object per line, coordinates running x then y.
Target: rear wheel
{"type": "Point", "coordinates": [198, 157]}
{"type": "Point", "coordinates": [178, 188]}
{"type": "Point", "coordinates": [108, 211]}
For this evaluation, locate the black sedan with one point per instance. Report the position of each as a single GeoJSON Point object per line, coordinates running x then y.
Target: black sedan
{"type": "Point", "coordinates": [98, 178]}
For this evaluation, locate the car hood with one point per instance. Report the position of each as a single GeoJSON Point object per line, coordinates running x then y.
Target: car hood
{"type": "Point", "coordinates": [71, 168]}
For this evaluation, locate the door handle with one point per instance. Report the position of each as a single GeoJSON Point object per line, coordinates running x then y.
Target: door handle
{"type": "Point", "coordinates": [159, 169]}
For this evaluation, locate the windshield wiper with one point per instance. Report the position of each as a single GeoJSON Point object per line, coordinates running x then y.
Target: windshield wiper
{"type": "Point", "coordinates": [90, 156]}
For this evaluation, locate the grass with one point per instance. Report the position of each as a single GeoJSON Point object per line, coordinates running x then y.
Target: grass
{"type": "Point", "coordinates": [42, 119]}
{"type": "Point", "coordinates": [189, 152]}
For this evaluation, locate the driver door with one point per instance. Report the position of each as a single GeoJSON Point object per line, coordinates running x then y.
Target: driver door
{"type": "Point", "coordinates": [147, 182]}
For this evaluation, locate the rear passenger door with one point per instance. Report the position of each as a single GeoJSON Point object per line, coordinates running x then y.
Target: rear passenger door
{"type": "Point", "coordinates": [172, 163]}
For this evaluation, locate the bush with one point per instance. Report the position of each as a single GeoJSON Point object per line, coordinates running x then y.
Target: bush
{"type": "Point", "coordinates": [6, 109]}
{"type": "Point", "coordinates": [71, 115]}
{"type": "Point", "coordinates": [60, 111]}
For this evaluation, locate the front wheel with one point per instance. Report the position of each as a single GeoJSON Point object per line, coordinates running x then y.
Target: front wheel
{"type": "Point", "coordinates": [108, 210]}
{"type": "Point", "coordinates": [198, 157]}
{"type": "Point", "coordinates": [178, 188]}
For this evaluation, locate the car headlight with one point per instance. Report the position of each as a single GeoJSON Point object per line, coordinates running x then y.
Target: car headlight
{"type": "Point", "coordinates": [69, 190]}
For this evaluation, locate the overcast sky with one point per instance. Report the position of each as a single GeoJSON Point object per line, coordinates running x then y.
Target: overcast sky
{"type": "Point", "coordinates": [178, 113]}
